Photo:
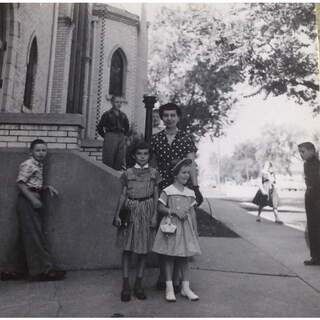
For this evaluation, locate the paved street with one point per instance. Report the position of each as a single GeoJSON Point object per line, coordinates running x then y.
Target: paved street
{"type": "Point", "coordinates": [259, 274]}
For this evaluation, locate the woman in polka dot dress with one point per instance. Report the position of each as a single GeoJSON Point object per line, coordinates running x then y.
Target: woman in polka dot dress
{"type": "Point", "coordinates": [170, 145]}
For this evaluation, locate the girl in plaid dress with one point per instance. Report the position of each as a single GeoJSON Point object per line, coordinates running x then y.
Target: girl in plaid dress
{"type": "Point", "coordinates": [139, 197]}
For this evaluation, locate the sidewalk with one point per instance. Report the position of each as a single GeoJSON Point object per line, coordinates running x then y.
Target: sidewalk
{"type": "Point", "coordinates": [260, 274]}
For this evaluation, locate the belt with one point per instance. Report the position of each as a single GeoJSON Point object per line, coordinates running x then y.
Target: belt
{"type": "Point", "coordinates": [141, 199]}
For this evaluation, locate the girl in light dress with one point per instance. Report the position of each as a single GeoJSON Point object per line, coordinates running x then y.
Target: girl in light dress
{"type": "Point", "coordinates": [177, 202]}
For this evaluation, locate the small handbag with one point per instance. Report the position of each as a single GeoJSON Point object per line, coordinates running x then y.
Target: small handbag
{"type": "Point", "coordinates": [124, 216]}
{"type": "Point", "coordinates": [168, 227]}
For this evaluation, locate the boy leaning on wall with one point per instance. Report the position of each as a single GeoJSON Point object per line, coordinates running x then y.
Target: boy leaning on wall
{"type": "Point", "coordinates": [30, 209]}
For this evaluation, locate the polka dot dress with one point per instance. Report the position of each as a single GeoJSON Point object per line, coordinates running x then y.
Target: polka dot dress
{"type": "Point", "coordinates": [166, 153]}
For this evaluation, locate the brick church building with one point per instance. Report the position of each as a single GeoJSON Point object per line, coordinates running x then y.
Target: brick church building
{"type": "Point", "coordinates": [59, 64]}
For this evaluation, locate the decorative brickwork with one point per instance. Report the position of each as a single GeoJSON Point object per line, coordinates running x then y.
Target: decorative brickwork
{"type": "Point", "coordinates": [100, 73]}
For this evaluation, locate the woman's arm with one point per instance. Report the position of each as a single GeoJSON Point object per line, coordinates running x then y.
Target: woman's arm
{"type": "Point", "coordinates": [194, 178]}
{"type": "Point", "coordinates": [193, 172]}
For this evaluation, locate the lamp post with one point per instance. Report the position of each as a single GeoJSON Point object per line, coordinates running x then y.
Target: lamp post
{"type": "Point", "coordinates": [149, 102]}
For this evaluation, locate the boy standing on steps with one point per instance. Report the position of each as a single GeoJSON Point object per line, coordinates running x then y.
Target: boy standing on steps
{"type": "Point", "coordinates": [113, 127]}
{"type": "Point", "coordinates": [312, 199]}
{"type": "Point", "coordinates": [30, 209]}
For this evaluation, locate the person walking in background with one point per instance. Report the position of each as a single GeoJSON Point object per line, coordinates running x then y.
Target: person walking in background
{"type": "Point", "coordinates": [308, 154]}
{"type": "Point", "coordinates": [267, 194]}
{"type": "Point", "coordinates": [139, 196]}
{"type": "Point", "coordinates": [30, 209]}
{"type": "Point", "coordinates": [176, 203]}
{"type": "Point", "coordinates": [113, 127]}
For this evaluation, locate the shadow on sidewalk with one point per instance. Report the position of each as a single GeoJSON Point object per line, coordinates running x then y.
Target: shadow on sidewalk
{"type": "Point", "coordinates": [211, 227]}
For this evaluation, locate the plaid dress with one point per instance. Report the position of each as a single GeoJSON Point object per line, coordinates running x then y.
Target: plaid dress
{"type": "Point", "coordinates": [138, 236]}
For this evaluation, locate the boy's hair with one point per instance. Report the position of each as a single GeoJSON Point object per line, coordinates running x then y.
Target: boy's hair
{"type": "Point", "coordinates": [307, 145]}
{"type": "Point", "coordinates": [169, 106]}
{"type": "Point", "coordinates": [140, 145]}
{"type": "Point", "coordinates": [35, 142]}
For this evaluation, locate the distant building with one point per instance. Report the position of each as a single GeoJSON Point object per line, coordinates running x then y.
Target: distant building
{"type": "Point", "coordinates": [59, 61]}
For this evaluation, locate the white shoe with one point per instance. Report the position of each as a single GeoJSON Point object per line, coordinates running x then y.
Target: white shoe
{"type": "Point", "coordinates": [187, 292]}
{"type": "Point", "coordinates": [170, 297]}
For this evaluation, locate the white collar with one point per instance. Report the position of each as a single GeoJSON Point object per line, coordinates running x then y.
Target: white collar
{"type": "Point", "coordinates": [137, 166]}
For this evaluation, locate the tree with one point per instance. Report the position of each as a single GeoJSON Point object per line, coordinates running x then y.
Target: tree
{"type": "Point", "coordinates": [197, 58]}
{"type": "Point", "coordinates": [281, 55]}
{"type": "Point", "coordinates": [278, 144]}
{"type": "Point", "coordinates": [243, 164]}
{"type": "Point", "coordinates": [190, 65]}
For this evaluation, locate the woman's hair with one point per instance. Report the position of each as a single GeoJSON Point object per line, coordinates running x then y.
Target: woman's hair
{"type": "Point", "coordinates": [35, 142]}
{"type": "Point", "coordinates": [140, 145]}
{"type": "Point", "coordinates": [307, 145]}
{"type": "Point", "coordinates": [169, 106]}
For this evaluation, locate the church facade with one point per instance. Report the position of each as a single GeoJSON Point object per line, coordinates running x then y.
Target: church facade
{"type": "Point", "coordinates": [59, 65]}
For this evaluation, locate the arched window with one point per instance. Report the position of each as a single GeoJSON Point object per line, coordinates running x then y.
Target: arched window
{"type": "Point", "coordinates": [117, 74]}
{"type": "Point", "coordinates": [31, 75]}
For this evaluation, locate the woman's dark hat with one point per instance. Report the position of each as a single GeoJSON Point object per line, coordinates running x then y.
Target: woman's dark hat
{"type": "Point", "coordinates": [177, 164]}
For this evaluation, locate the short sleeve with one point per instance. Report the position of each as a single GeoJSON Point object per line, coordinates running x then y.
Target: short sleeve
{"type": "Point", "coordinates": [25, 172]}
{"type": "Point", "coordinates": [124, 179]}
{"type": "Point", "coordinates": [163, 198]}
{"type": "Point", "coordinates": [191, 147]}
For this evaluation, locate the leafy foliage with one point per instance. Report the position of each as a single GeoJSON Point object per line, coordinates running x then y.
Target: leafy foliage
{"type": "Point", "coordinates": [281, 50]}
{"type": "Point", "coordinates": [277, 144]}
{"type": "Point", "coordinates": [190, 65]}
{"type": "Point", "coordinates": [197, 59]}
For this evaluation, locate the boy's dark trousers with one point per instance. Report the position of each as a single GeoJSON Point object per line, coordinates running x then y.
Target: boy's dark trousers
{"type": "Point", "coordinates": [33, 238]}
{"type": "Point", "coordinates": [114, 150]}
{"type": "Point", "coordinates": [312, 204]}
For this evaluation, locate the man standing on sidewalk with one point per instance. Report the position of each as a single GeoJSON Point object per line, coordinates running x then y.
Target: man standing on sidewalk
{"type": "Point", "coordinates": [312, 199]}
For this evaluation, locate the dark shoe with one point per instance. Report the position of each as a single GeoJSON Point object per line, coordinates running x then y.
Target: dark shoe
{"type": "Point", "coordinates": [125, 295]}
{"type": "Point", "coordinates": [312, 262]}
{"type": "Point", "coordinates": [139, 293]}
{"type": "Point", "coordinates": [161, 285]}
{"type": "Point", "coordinates": [49, 276]}
{"type": "Point", "coordinates": [278, 222]}
{"type": "Point", "coordinates": [7, 275]}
